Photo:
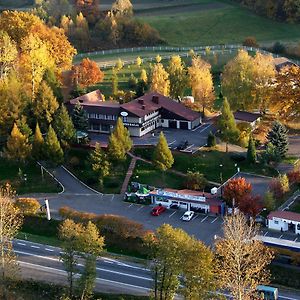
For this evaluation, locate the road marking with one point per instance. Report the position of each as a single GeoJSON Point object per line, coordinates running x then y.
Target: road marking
{"type": "Point", "coordinates": [22, 244]}
{"type": "Point", "coordinates": [204, 128]}
{"type": "Point", "coordinates": [36, 247]}
{"type": "Point", "coordinates": [172, 214]}
{"type": "Point", "coordinates": [281, 236]}
{"type": "Point", "coordinates": [295, 240]}
{"type": "Point", "coordinates": [39, 256]}
{"type": "Point", "coordinates": [127, 284]}
{"type": "Point", "coordinates": [189, 147]}
{"type": "Point", "coordinates": [214, 220]}
{"type": "Point", "coordinates": [140, 208]}
{"type": "Point", "coordinates": [130, 205]}
{"type": "Point", "coordinates": [195, 217]}
{"type": "Point", "coordinates": [125, 274]}
{"type": "Point", "coordinates": [47, 249]}
{"type": "Point", "coordinates": [112, 198]}
{"type": "Point", "coordinates": [266, 233]}
{"type": "Point", "coordinates": [172, 143]}
{"type": "Point", "coordinates": [204, 219]}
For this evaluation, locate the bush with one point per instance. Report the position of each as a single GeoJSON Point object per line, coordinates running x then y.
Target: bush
{"type": "Point", "coordinates": [195, 181]}
{"type": "Point", "coordinates": [211, 140]}
{"type": "Point", "coordinates": [74, 161]}
{"type": "Point", "coordinates": [28, 206]}
{"type": "Point", "coordinates": [279, 48]}
{"type": "Point", "coordinates": [250, 41]}
{"type": "Point", "coordinates": [294, 177]}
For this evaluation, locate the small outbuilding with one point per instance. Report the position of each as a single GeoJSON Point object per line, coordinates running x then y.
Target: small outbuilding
{"type": "Point", "coordinates": [284, 221]}
{"type": "Point", "coordinates": [247, 117]}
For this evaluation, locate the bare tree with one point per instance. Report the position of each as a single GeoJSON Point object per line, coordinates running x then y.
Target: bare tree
{"type": "Point", "coordinates": [10, 223]}
{"type": "Point", "coordinates": [241, 258]}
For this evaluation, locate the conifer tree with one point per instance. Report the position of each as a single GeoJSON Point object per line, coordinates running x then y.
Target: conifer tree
{"type": "Point", "coordinates": [144, 76]}
{"type": "Point", "coordinates": [38, 143]}
{"type": "Point", "coordinates": [23, 126]}
{"type": "Point", "coordinates": [251, 152]}
{"type": "Point", "coordinates": [227, 125]}
{"type": "Point", "coordinates": [64, 126]}
{"type": "Point", "coordinates": [115, 148]}
{"type": "Point", "coordinates": [114, 82]}
{"type": "Point", "coordinates": [162, 156]}
{"type": "Point", "coordinates": [211, 140]}
{"type": "Point", "coordinates": [53, 149]}
{"type": "Point", "coordinates": [123, 135]}
{"type": "Point", "coordinates": [160, 82]}
{"type": "Point", "coordinates": [17, 146]}
{"type": "Point", "coordinates": [53, 83]}
{"type": "Point", "coordinates": [79, 118]}
{"type": "Point", "coordinates": [279, 138]}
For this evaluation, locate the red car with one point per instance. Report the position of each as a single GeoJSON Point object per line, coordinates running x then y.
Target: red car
{"type": "Point", "coordinates": [157, 210]}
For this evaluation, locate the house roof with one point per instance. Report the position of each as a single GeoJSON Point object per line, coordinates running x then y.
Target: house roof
{"type": "Point", "coordinates": [153, 101]}
{"type": "Point", "coordinates": [246, 116]}
{"type": "Point", "coordinates": [288, 215]}
{"type": "Point", "coordinates": [92, 98]}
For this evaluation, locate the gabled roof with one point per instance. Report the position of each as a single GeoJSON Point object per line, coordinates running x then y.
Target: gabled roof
{"type": "Point", "coordinates": [246, 116]}
{"type": "Point", "coordinates": [154, 101]}
{"type": "Point", "coordinates": [287, 215]}
{"type": "Point", "coordinates": [92, 98]}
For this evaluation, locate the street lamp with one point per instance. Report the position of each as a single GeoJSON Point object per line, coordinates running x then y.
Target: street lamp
{"type": "Point", "coordinates": [25, 178]}
{"type": "Point", "coordinates": [221, 180]}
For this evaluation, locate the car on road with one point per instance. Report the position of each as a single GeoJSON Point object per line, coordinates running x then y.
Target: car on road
{"type": "Point", "coordinates": [183, 145]}
{"type": "Point", "coordinates": [188, 215]}
{"type": "Point", "coordinates": [157, 210]}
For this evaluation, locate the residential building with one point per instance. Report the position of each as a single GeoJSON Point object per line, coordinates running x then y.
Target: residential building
{"type": "Point", "coordinates": [140, 116]}
{"type": "Point", "coordinates": [284, 221]}
{"type": "Point", "coordinates": [282, 62]}
{"type": "Point", "coordinates": [247, 117]}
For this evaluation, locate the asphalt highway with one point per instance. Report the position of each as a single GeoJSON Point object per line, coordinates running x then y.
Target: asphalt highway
{"type": "Point", "coordinates": [40, 261]}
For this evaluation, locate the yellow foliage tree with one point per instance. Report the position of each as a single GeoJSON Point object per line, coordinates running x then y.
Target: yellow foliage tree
{"type": "Point", "coordinates": [160, 82]}
{"type": "Point", "coordinates": [27, 206]}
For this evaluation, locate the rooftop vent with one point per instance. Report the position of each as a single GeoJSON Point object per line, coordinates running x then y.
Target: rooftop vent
{"type": "Point", "coordinates": [143, 107]}
{"type": "Point", "coordinates": [155, 99]}
{"type": "Point", "coordinates": [141, 101]}
{"type": "Point", "coordinates": [80, 101]}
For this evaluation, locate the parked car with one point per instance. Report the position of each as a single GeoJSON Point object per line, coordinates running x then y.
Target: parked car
{"type": "Point", "coordinates": [183, 145]}
{"type": "Point", "coordinates": [157, 210]}
{"type": "Point", "coordinates": [188, 215]}
{"type": "Point", "coordinates": [174, 206]}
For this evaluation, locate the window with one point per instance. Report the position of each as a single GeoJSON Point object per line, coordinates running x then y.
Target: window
{"type": "Point", "coordinates": [298, 226]}
{"type": "Point", "coordinates": [125, 119]}
{"type": "Point", "coordinates": [276, 222]}
{"type": "Point", "coordinates": [104, 127]}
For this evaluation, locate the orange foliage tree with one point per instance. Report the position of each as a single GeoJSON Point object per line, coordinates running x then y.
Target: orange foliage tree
{"type": "Point", "coordinates": [237, 189]}
{"type": "Point", "coordinates": [251, 205]}
{"type": "Point", "coordinates": [86, 73]}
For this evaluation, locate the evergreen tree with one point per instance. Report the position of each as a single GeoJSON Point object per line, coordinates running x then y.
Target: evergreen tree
{"type": "Point", "coordinates": [279, 138]}
{"type": "Point", "coordinates": [38, 143]}
{"type": "Point", "coordinates": [144, 76]}
{"type": "Point", "coordinates": [53, 149]}
{"type": "Point", "coordinates": [141, 88]}
{"type": "Point", "coordinates": [17, 146]}
{"type": "Point", "coordinates": [123, 135]}
{"type": "Point", "coordinates": [79, 118]}
{"type": "Point", "coordinates": [211, 140]}
{"type": "Point", "coordinates": [115, 148]}
{"type": "Point", "coordinates": [162, 156]}
{"type": "Point", "coordinates": [251, 152]}
{"type": "Point", "coordinates": [99, 162]}
{"type": "Point", "coordinates": [114, 82]}
{"type": "Point", "coordinates": [53, 83]}
{"type": "Point", "coordinates": [271, 154]}
{"type": "Point", "coordinates": [64, 126]}
{"type": "Point", "coordinates": [269, 201]}
{"type": "Point", "coordinates": [23, 127]}
{"type": "Point", "coordinates": [227, 125]}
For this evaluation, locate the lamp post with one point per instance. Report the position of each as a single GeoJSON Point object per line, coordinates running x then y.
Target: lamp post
{"type": "Point", "coordinates": [221, 180]}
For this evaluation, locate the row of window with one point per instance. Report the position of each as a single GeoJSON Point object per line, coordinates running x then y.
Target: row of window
{"type": "Point", "coordinates": [152, 124]}
{"type": "Point", "coordinates": [100, 127]}
{"type": "Point", "coordinates": [102, 117]}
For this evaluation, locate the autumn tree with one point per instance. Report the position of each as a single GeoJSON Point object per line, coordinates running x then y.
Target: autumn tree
{"type": "Point", "coordinates": [241, 258]}
{"type": "Point", "coordinates": [251, 151]}
{"type": "Point", "coordinates": [27, 206]}
{"type": "Point", "coordinates": [17, 146]}
{"type": "Point", "coordinates": [144, 76]}
{"type": "Point", "coordinates": [227, 126]}
{"type": "Point", "coordinates": [8, 54]}
{"type": "Point", "coordinates": [114, 82]}
{"type": "Point", "coordinates": [138, 61]}
{"type": "Point", "coordinates": [115, 148]}
{"type": "Point", "coordinates": [64, 126]}
{"type": "Point", "coordinates": [236, 190]}
{"type": "Point", "coordinates": [89, 8]}
{"type": "Point", "coordinates": [79, 118]}
{"type": "Point", "coordinates": [269, 201]}
{"type": "Point", "coordinates": [38, 143]}
{"type": "Point", "coordinates": [279, 138]}
{"type": "Point", "coordinates": [162, 156]}
{"type": "Point", "coordinates": [202, 83]}
{"type": "Point", "coordinates": [122, 8]}
{"type": "Point", "coordinates": [45, 105]}
{"type": "Point", "coordinates": [10, 223]}
{"type": "Point", "coordinates": [251, 205]}
{"type": "Point", "coordinates": [177, 77]}
{"type": "Point", "coordinates": [195, 181]}
{"type": "Point", "coordinates": [160, 82]}
{"type": "Point", "coordinates": [87, 73]}
{"type": "Point", "coordinates": [52, 81]}
{"type": "Point", "coordinates": [99, 162]}
{"type": "Point", "coordinates": [53, 150]}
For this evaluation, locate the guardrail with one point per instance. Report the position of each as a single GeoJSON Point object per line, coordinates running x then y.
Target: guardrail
{"type": "Point", "coordinates": [199, 49]}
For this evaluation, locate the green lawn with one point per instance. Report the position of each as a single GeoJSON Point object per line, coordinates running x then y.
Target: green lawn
{"type": "Point", "coordinates": [111, 184]}
{"type": "Point", "coordinates": [9, 172]}
{"type": "Point", "coordinates": [226, 24]}
{"type": "Point", "coordinates": [148, 174]}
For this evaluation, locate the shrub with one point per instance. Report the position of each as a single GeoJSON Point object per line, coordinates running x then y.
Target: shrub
{"type": "Point", "coordinates": [294, 177]}
{"type": "Point", "coordinates": [275, 187]}
{"type": "Point", "coordinates": [28, 206]}
{"type": "Point", "coordinates": [74, 161]}
{"type": "Point", "coordinates": [278, 48]}
{"type": "Point", "coordinates": [195, 181]}
{"type": "Point", "coordinates": [211, 140]}
{"type": "Point", "coordinates": [250, 41]}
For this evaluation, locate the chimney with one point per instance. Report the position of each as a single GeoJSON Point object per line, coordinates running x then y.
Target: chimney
{"type": "Point", "coordinates": [155, 99]}
{"type": "Point", "coordinates": [141, 101]}
{"type": "Point", "coordinates": [143, 107]}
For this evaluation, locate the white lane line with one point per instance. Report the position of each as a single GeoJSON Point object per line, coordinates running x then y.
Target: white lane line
{"type": "Point", "coordinates": [172, 143]}
{"type": "Point", "coordinates": [39, 256]}
{"type": "Point", "coordinates": [172, 214]}
{"type": "Point", "coordinates": [214, 220]}
{"type": "Point", "coordinates": [141, 207]}
{"type": "Point", "coordinates": [36, 247]}
{"type": "Point", "coordinates": [47, 249]}
{"type": "Point", "coordinates": [281, 236]}
{"type": "Point", "coordinates": [22, 244]}
{"type": "Point", "coordinates": [130, 205]}
{"type": "Point", "coordinates": [125, 274]}
{"type": "Point", "coordinates": [295, 240]}
{"type": "Point", "coordinates": [204, 219]}
{"type": "Point", "coordinates": [112, 198]}
{"type": "Point", "coordinates": [266, 233]}
{"type": "Point", "coordinates": [204, 128]}
{"type": "Point", "coordinates": [195, 217]}
{"type": "Point", "coordinates": [126, 284]}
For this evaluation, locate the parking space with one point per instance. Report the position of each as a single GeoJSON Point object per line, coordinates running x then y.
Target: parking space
{"type": "Point", "coordinates": [280, 235]}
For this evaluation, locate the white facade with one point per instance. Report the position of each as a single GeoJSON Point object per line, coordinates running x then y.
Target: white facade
{"type": "Point", "coordinates": [281, 224]}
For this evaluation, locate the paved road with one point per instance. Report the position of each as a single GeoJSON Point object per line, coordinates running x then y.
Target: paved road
{"type": "Point", "coordinates": [294, 145]}
{"type": "Point", "coordinates": [42, 261]}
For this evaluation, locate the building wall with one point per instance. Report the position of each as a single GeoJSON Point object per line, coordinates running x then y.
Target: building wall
{"type": "Point", "coordinates": [278, 224]}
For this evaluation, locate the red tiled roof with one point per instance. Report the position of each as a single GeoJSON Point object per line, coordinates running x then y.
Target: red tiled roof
{"type": "Point", "coordinates": [288, 215]}
{"type": "Point", "coordinates": [246, 116]}
{"type": "Point", "coordinates": [91, 98]}
{"type": "Point", "coordinates": [148, 106]}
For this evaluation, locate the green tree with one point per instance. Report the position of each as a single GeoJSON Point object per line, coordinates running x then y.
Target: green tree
{"type": "Point", "coordinates": [38, 143]}
{"type": "Point", "coordinates": [64, 126]}
{"type": "Point", "coordinates": [227, 125]}
{"type": "Point", "coordinates": [211, 140]}
{"type": "Point", "coordinates": [45, 105]}
{"type": "Point", "coordinates": [17, 146]}
{"type": "Point", "coordinates": [162, 156]}
{"type": "Point", "coordinates": [160, 82]}
{"type": "Point", "coordinates": [115, 148]}
{"type": "Point", "coordinates": [269, 201]}
{"type": "Point", "coordinates": [80, 118]}
{"type": "Point", "coordinates": [271, 154]}
{"type": "Point", "coordinates": [138, 61]}
{"type": "Point", "coordinates": [53, 150]}
{"type": "Point", "coordinates": [195, 181]}
{"type": "Point", "coordinates": [279, 138]}
{"type": "Point", "coordinates": [23, 126]}
{"type": "Point", "coordinates": [177, 76]}
{"type": "Point", "coordinates": [123, 135]}
{"type": "Point", "coordinates": [99, 162]}
{"type": "Point", "coordinates": [114, 82]}
{"type": "Point", "coordinates": [251, 152]}
{"type": "Point", "coordinates": [51, 79]}
{"type": "Point", "coordinates": [144, 76]}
